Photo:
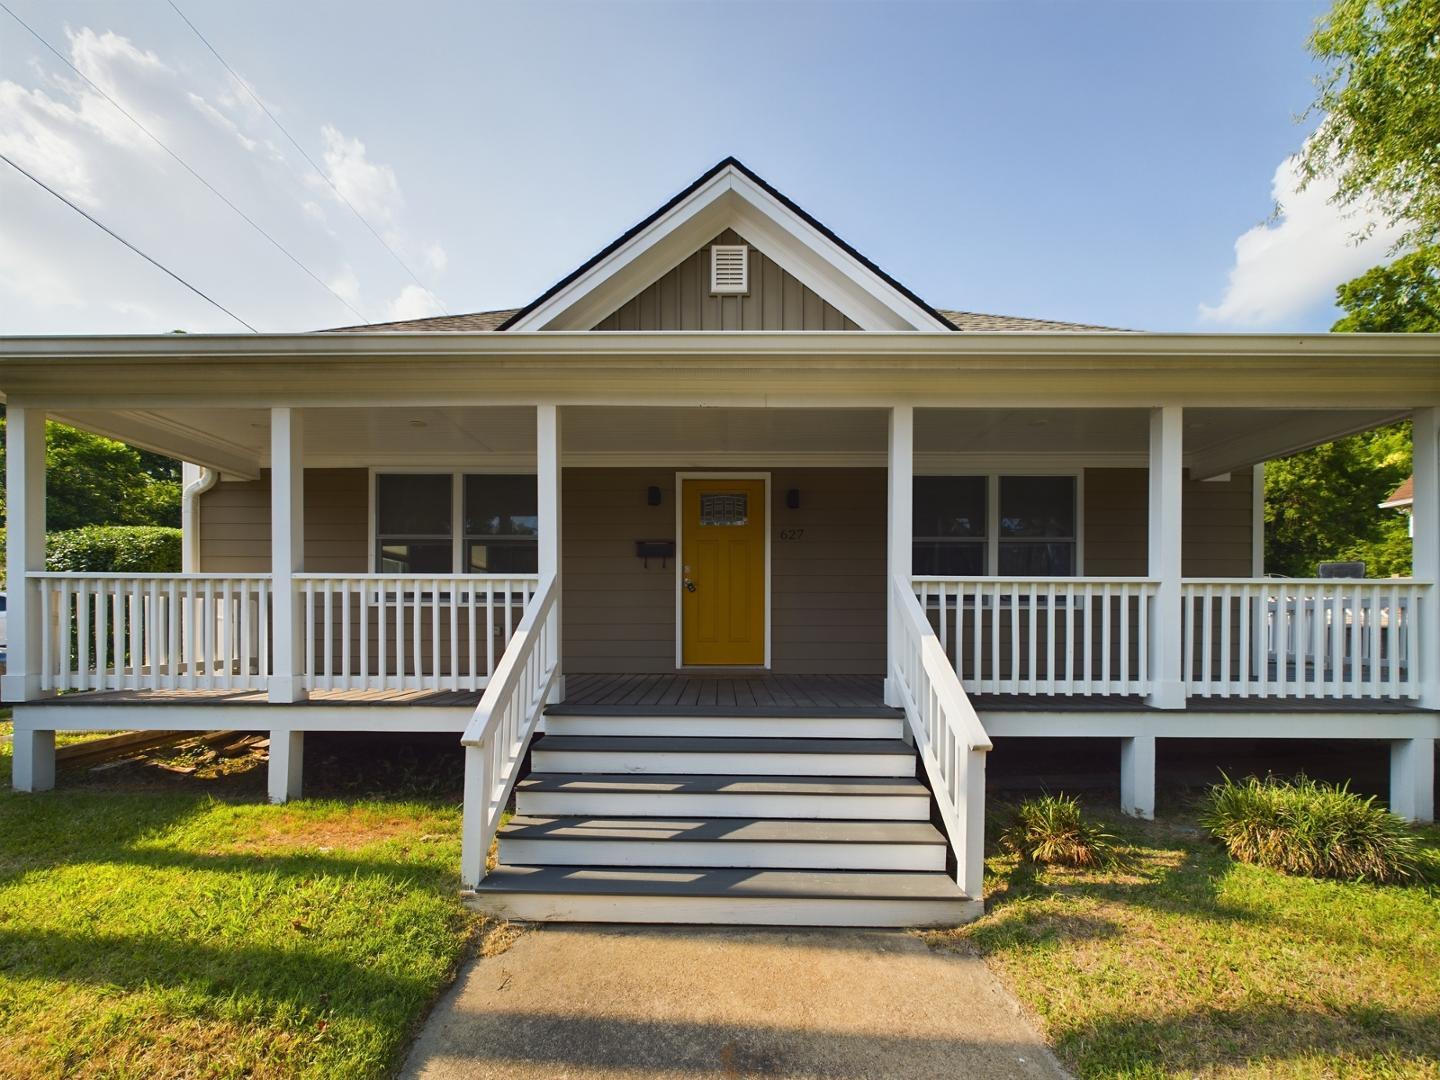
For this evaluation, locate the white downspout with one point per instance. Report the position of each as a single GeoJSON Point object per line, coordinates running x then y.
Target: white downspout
{"type": "Point", "coordinates": [197, 480]}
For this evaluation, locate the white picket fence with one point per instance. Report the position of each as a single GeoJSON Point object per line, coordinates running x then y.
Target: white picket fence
{"type": "Point", "coordinates": [1034, 635]}
{"type": "Point", "coordinates": [153, 631]}
{"type": "Point", "coordinates": [1322, 638]}
{"type": "Point", "coordinates": [384, 632]}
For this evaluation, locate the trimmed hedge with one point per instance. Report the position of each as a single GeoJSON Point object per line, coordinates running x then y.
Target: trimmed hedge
{"type": "Point", "coordinates": [1312, 829]}
{"type": "Point", "coordinates": [122, 549]}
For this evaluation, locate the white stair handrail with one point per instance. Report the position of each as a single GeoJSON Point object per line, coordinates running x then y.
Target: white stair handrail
{"type": "Point", "coordinates": [949, 737]}
{"type": "Point", "coordinates": [500, 729]}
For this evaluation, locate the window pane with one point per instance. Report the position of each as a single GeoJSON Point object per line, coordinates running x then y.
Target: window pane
{"type": "Point", "coordinates": [500, 505]}
{"type": "Point", "coordinates": [949, 506]}
{"type": "Point", "coordinates": [1037, 506]}
{"type": "Point", "coordinates": [422, 557]}
{"type": "Point", "coordinates": [1027, 559]}
{"type": "Point", "coordinates": [503, 557]}
{"type": "Point", "coordinates": [412, 505]}
{"type": "Point", "coordinates": [947, 558]}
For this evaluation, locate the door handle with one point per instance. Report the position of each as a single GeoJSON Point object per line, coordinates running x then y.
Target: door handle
{"type": "Point", "coordinates": [689, 585]}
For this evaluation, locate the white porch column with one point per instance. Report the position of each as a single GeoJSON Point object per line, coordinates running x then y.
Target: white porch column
{"type": "Point", "coordinates": [25, 548]}
{"type": "Point", "coordinates": [899, 526]}
{"type": "Point", "coordinates": [1166, 477]}
{"type": "Point", "coordinates": [287, 759]}
{"type": "Point", "coordinates": [1412, 779]}
{"type": "Point", "coordinates": [287, 555]}
{"type": "Point", "coordinates": [1137, 776]}
{"type": "Point", "coordinates": [548, 447]}
{"type": "Point", "coordinates": [1425, 531]}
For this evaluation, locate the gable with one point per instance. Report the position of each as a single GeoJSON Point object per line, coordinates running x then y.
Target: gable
{"type": "Point", "coordinates": [681, 299]}
{"type": "Point", "coordinates": [728, 197]}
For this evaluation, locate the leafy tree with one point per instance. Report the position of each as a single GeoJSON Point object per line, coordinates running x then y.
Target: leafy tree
{"type": "Point", "coordinates": [92, 480]}
{"type": "Point", "coordinates": [1379, 96]}
{"type": "Point", "coordinates": [1402, 298]}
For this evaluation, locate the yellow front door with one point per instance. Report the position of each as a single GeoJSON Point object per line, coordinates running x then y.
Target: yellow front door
{"type": "Point", "coordinates": [722, 571]}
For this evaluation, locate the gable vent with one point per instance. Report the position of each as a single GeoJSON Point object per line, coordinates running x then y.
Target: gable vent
{"type": "Point", "coordinates": [729, 268]}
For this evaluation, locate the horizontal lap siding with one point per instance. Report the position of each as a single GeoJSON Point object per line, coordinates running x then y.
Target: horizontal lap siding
{"type": "Point", "coordinates": [828, 598]}
{"type": "Point", "coordinates": [235, 524]}
{"type": "Point", "coordinates": [681, 300]}
{"type": "Point", "coordinates": [1216, 536]}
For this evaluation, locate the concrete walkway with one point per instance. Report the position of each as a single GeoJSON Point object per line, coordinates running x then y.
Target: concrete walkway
{"type": "Point", "coordinates": [578, 1001]}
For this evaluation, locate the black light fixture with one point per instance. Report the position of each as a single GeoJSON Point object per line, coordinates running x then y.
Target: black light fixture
{"type": "Point", "coordinates": [652, 496]}
{"type": "Point", "coordinates": [792, 499]}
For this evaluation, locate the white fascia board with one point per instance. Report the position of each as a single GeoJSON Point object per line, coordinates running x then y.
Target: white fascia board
{"type": "Point", "coordinates": [731, 200]}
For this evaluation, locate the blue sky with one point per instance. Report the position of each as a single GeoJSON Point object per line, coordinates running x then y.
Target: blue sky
{"type": "Point", "coordinates": [1092, 162]}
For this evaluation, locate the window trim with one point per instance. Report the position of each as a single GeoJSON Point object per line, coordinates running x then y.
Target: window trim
{"type": "Point", "coordinates": [457, 504]}
{"type": "Point", "coordinates": [992, 509]}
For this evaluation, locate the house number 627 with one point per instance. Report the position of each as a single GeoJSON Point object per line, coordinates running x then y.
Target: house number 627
{"type": "Point", "coordinates": [791, 534]}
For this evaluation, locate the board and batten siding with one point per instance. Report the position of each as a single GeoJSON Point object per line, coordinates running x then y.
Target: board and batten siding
{"type": "Point", "coordinates": [235, 524]}
{"type": "Point", "coordinates": [681, 300]}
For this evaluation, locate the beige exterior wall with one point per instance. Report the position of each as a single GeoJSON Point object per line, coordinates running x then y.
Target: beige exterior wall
{"type": "Point", "coordinates": [681, 300]}
{"type": "Point", "coordinates": [235, 524]}
{"type": "Point", "coordinates": [827, 581]}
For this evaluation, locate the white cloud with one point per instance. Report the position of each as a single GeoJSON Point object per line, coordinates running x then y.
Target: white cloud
{"type": "Point", "coordinates": [412, 303]}
{"type": "Point", "coordinates": [436, 259]}
{"type": "Point", "coordinates": [1290, 267]}
{"type": "Point", "coordinates": [372, 189]}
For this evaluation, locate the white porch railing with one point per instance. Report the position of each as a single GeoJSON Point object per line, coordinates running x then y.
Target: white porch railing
{"type": "Point", "coordinates": [153, 631]}
{"type": "Point", "coordinates": [1043, 635]}
{"type": "Point", "coordinates": [499, 733]}
{"type": "Point", "coordinates": [948, 734]}
{"type": "Point", "coordinates": [1323, 638]}
{"type": "Point", "coordinates": [384, 632]}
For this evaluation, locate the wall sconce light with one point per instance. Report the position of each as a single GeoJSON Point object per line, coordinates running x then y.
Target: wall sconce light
{"type": "Point", "coordinates": [792, 499]}
{"type": "Point", "coordinates": [652, 496]}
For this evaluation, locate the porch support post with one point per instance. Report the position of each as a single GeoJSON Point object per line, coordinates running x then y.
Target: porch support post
{"type": "Point", "coordinates": [1412, 779]}
{"type": "Point", "coordinates": [1166, 478]}
{"type": "Point", "coordinates": [287, 759]}
{"type": "Point", "coordinates": [898, 542]}
{"type": "Point", "coordinates": [548, 445]}
{"type": "Point", "coordinates": [1137, 776]}
{"type": "Point", "coordinates": [1425, 544]}
{"type": "Point", "coordinates": [25, 549]}
{"type": "Point", "coordinates": [287, 554]}
{"type": "Point", "coordinates": [33, 767]}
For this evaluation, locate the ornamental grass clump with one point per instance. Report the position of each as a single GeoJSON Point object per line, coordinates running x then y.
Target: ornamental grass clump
{"type": "Point", "coordinates": [1312, 829]}
{"type": "Point", "coordinates": [1053, 830]}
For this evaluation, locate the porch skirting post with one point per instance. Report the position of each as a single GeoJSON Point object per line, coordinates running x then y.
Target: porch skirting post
{"type": "Point", "coordinates": [1412, 779]}
{"type": "Point", "coordinates": [548, 448]}
{"type": "Point", "coordinates": [900, 524]}
{"type": "Point", "coordinates": [1167, 475]}
{"type": "Point", "coordinates": [25, 550]}
{"type": "Point", "coordinates": [287, 555]}
{"type": "Point", "coordinates": [1425, 524]}
{"type": "Point", "coordinates": [33, 768]}
{"type": "Point", "coordinates": [1137, 776]}
{"type": "Point", "coordinates": [287, 759]}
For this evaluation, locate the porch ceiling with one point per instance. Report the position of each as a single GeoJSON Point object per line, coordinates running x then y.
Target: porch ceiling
{"type": "Point", "coordinates": [236, 441]}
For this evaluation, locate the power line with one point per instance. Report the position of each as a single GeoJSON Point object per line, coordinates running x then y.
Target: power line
{"type": "Point", "coordinates": [153, 262]}
{"type": "Point", "coordinates": [183, 163]}
{"type": "Point", "coordinates": [322, 173]}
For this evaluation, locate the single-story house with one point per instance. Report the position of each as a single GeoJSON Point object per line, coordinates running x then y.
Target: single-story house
{"type": "Point", "coordinates": [725, 558]}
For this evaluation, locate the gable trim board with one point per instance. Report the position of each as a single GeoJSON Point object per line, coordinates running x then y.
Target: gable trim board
{"type": "Point", "coordinates": [728, 195]}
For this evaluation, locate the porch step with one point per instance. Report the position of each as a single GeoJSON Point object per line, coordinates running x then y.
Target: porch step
{"type": "Point", "coordinates": [818, 724]}
{"type": "Point", "coordinates": [747, 757]}
{"type": "Point", "coordinates": [697, 895]}
{"type": "Point", "coordinates": [734, 842]}
{"type": "Point", "coordinates": [853, 798]}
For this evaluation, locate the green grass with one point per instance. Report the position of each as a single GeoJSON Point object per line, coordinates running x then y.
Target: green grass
{"type": "Point", "coordinates": [1183, 962]}
{"type": "Point", "coordinates": [167, 927]}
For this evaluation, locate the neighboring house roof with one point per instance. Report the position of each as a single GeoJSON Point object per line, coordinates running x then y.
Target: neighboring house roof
{"type": "Point", "coordinates": [505, 319]}
{"type": "Point", "coordinates": [1404, 495]}
{"type": "Point", "coordinates": [495, 320]}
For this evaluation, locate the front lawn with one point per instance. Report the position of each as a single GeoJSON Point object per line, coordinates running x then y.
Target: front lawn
{"type": "Point", "coordinates": [166, 927]}
{"type": "Point", "coordinates": [1187, 963]}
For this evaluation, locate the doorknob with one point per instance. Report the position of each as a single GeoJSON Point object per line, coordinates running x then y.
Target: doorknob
{"type": "Point", "coordinates": [689, 585]}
